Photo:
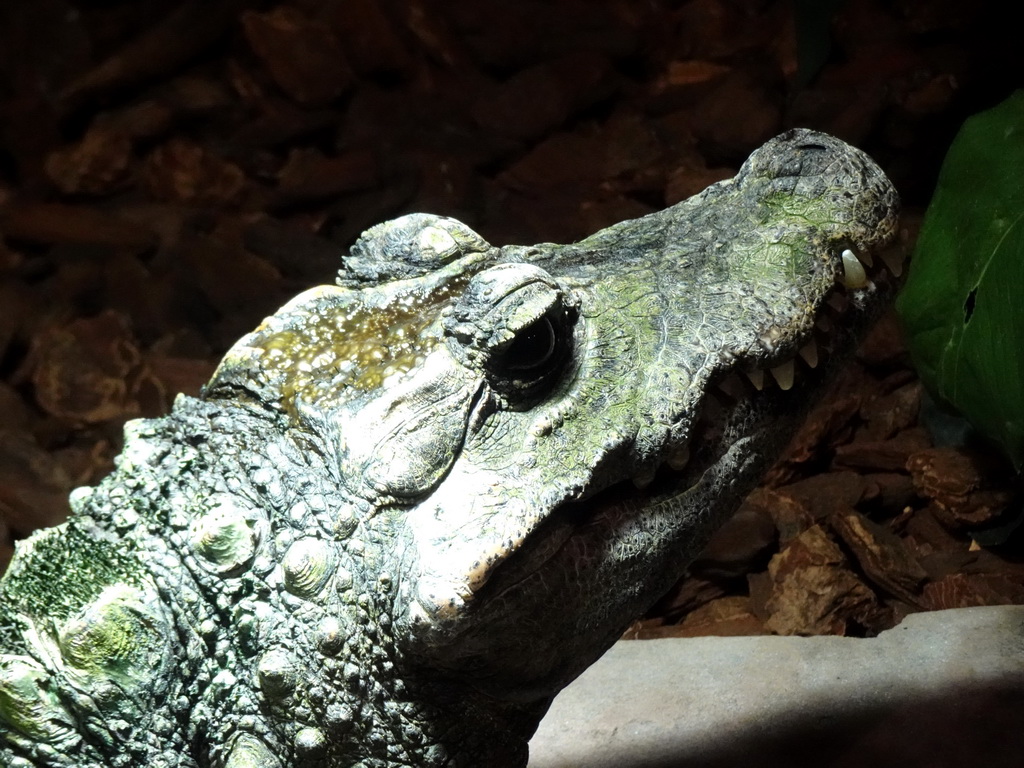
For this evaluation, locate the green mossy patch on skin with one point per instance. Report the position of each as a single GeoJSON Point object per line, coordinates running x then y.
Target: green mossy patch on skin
{"type": "Point", "coordinates": [95, 558]}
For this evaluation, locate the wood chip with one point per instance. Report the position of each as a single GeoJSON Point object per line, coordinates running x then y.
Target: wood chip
{"type": "Point", "coordinates": [886, 415]}
{"type": "Point", "coordinates": [309, 175]}
{"type": "Point", "coordinates": [822, 495]}
{"type": "Point", "coordinates": [73, 224]}
{"type": "Point", "coordinates": [185, 172]}
{"type": "Point", "coordinates": [89, 370]}
{"type": "Point", "coordinates": [813, 590]}
{"type": "Point", "coordinates": [960, 486]}
{"type": "Point", "coordinates": [96, 165]}
{"type": "Point", "coordinates": [829, 423]}
{"type": "Point", "coordinates": [687, 595]}
{"type": "Point", "coordinates": [33, 486]}
{"type": "Point", "coordinates": [368, 35]}
{"type": "Point", "coordinates": [302, 55]}
{"type": "Point", "coordinates": [882, 455]}
{"type": "Point", "coordinates": [163, 45]}
{"type": "Point", "coordinates": [725, 617]}
{"type": "Point", "coordinates": [741, 545]}
{"type": "Point", "coordinates": [963, 590]}
{"type": "Point", "coordinates": [539, 99]}
{"type": "Point", "coordinates": [881, 554]}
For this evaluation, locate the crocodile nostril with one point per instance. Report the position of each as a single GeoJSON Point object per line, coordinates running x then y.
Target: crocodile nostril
{"type": "Point", "coordinates": [813, 146]}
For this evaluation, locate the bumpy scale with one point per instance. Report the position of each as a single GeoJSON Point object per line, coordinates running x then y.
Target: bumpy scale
{"type": "Point", "coordinates": [409, 508]}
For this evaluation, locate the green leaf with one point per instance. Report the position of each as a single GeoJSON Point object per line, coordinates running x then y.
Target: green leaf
{"type": "Point", "coordinates": [963, 304]}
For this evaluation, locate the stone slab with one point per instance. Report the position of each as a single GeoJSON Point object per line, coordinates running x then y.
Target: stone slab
{"type": "Point", "coordinates": [943, 689]}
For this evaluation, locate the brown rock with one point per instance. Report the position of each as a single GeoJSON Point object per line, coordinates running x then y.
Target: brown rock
{"type": "Point", "coordinates": [813, 590]}
{"type": "Point", "coordinates": [302, 55]}
{"type": "Point", "coordinates": [87, 463]}
{"type": "Point", "coordinates": [691, 72]}
{"type": "Point", "coordinates": [255, 287]}
{"type": "Point", "coordinates": [945, 474]}
{"type": "Point", "coordinates": [598, 214]}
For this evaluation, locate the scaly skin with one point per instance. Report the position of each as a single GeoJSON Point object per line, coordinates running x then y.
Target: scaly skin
{"type": "Point", "coordinates": [400, 517]}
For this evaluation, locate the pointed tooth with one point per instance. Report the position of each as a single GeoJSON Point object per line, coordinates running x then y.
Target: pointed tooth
{"type": "Point", "coordinates": [865, 258]}
{"type": "Point", "coordinates": [756, 377]}
{"type": "Point", "coordinates": [784, 375]}
{"type": "Point", "coordinates": [809, 353]}
{"type": "Point", "coordinates": [680, 458]}
{"type": "Point", "coordinates": [894, 260]}
{"type": "Point", "coordinates": [823, 323]}
{"type": "Point", "coordinates": [854, 275]}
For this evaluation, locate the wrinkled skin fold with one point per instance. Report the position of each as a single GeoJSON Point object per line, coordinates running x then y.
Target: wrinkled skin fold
{"type": "Point", "coordinates": [409, 508]}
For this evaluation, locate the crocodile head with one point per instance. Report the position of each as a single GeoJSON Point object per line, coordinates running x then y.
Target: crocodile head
{"type": "Point", "coordinates": [410, 507]}
{"type": "Point", "coordinates": [544, 435]}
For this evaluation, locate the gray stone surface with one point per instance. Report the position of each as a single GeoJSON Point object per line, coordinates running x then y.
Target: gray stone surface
{"type": "Point", "coordinates": [941, 689]}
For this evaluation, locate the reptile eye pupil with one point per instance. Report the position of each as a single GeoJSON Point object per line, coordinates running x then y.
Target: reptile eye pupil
{"type": "Point", "coordinates": [532, 347]}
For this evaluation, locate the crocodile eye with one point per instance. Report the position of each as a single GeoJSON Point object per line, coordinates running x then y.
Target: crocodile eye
{"type": "Point", "coordinates": [528, 363]}
{"type": "Point", "coordinates": [515, 323]}
{"type": "Point", "coordinates": [532, 348]}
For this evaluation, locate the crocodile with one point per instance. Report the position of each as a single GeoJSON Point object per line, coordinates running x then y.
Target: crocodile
{"type": "Point", "coordinates": [411, 506]}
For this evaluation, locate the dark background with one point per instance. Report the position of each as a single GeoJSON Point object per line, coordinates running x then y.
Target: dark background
{"type": "Point", "coordinates": [171, 172]}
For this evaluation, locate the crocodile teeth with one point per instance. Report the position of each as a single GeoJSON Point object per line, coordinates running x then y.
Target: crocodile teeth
{"type": "Point", "coordinates": [679, 459]}
{"type": "Point", "coordinates": [854, 275]}
{"type": "Point", "coordinates": [894, 260]}
{"type": "Point", "coordinates": [809, 353]}
{"type": "Point", "coordinates": [784, 375]}
{"type": "Point", "coordinates": [756, 377]}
